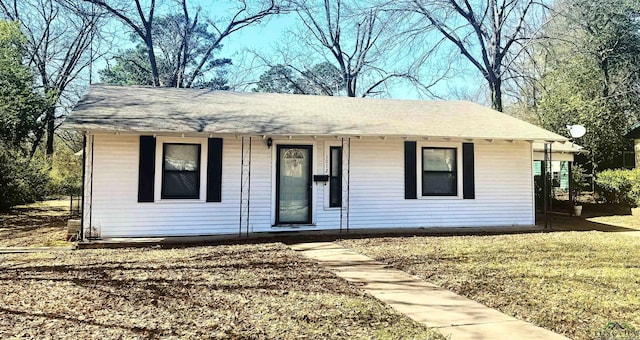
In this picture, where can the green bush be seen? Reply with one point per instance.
(620, 186)
(66, 172)
(578, 181)
(21, 181)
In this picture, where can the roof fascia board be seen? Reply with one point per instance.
(316, 136)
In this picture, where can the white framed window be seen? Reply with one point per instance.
(180, 171)
(439, 171)
(335, 176)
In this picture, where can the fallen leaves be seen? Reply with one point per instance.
(569, 282)
(261, 291)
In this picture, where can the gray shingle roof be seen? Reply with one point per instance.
(568, 147)
(145, 109)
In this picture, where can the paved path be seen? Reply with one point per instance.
(422, 301)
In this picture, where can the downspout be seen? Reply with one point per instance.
(348, 181)
(91, 189)
(341, 181)
(551, 191)
(570, 171)
(84, 173)
(545, 185)
(249, 188)
(548, 173)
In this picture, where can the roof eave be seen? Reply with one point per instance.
(314, 135)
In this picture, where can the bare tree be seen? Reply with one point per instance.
(59, 37)
(140, 19)
(359, 40)
(489, 34)
(356, 39)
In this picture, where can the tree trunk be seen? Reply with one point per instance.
(351, 86)
(496, 94)
(604, 65)
(152, 61)
(51, 124)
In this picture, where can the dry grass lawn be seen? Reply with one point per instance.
(573, 283)
(261, 291)
(243, 291)
(624, 221)
(42, 224)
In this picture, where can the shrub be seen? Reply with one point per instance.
(578, 181)
(66, 172)
(21, 181)
(620, 186)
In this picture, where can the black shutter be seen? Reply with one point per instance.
(468, 172)
(214, 170)
(410, 180)
(146, 168)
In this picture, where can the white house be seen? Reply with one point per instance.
(173, 162)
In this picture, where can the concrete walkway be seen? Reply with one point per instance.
(424, 302)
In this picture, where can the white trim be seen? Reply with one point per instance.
(157, 191)
(533, 185)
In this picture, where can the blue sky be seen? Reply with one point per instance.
(269, 36)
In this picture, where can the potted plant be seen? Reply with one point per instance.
(578, 182)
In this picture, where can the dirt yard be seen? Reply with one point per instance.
(261, 291)
(573, 283)
(41, 224)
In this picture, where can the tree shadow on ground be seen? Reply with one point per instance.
(559, 222)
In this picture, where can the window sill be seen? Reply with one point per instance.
(440, 198)
(293, 226)
(181, 200)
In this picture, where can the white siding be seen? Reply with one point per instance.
(503, 189)
(503, 176)
(116, 211)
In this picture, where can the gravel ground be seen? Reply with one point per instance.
(263, 291)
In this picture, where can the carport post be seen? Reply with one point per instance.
(547, 168)
(569, 168)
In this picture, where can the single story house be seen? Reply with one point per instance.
(178, 162)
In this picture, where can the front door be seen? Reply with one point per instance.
(293, 184)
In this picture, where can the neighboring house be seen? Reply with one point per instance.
(557, 164)
(560, 157)
(628, 161)
(174, 162)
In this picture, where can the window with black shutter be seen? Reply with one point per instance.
(180, 171)
(439, 172)
(335, 176)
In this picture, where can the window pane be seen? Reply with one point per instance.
(181, 156)
(335, 183)
(180, 178)
(439, 159)
(439, 183)
(336, 157)
(180, 184)
(335, 192)
(294, 185)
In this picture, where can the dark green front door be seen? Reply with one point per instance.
(293, 184)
